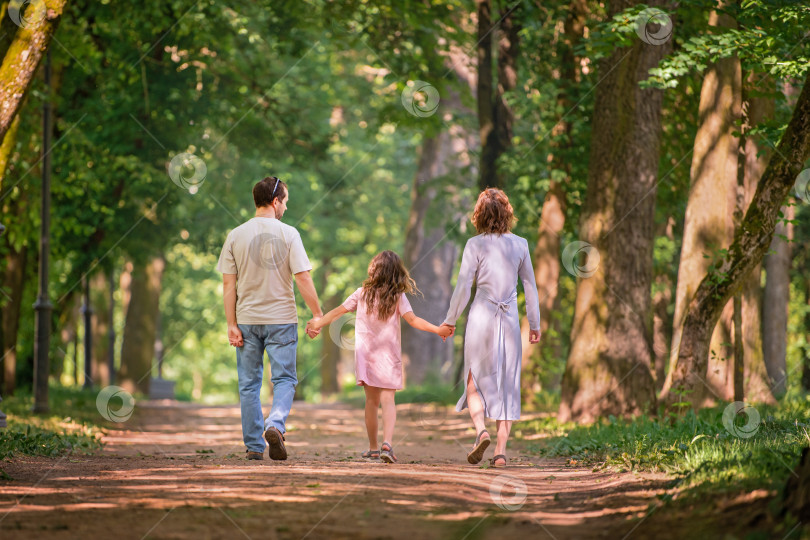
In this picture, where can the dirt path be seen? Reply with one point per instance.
(178, 471)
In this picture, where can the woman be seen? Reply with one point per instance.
(494, 259)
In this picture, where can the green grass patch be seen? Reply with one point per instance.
(696, 448)
(72, 424)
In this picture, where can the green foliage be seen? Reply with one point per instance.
(18, 440)
(74, 428)
(697, 449)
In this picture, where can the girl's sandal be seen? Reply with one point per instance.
(371, 454)
(479, 448)
(387, 453)
(494, 461)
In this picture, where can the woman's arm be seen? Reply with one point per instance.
(466, 276)
(526, 274)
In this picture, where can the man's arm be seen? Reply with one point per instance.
(307, 289)
(229, 298)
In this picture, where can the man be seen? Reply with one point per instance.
(258, 262)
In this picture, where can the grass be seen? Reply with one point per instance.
(696, 448)
(72, 425)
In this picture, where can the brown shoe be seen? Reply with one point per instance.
(480, 446)
(254, 455)
(276, 441)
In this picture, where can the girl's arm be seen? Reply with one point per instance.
(419, 323)
(328, 318)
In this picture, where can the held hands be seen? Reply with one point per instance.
(313, 328)
(445, 331)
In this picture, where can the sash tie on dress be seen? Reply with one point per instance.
(499, 351)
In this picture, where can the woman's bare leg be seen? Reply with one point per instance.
(503, 427)
(475, 405)
(372, 404)
(389, 414)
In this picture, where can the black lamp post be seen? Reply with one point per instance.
(87, 311)
(43, 306)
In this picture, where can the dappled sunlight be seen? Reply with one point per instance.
(190, 459)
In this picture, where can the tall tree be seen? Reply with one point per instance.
(609, 366)
(100, 301)
(140, 328)
(553, 211)
(708, 225)
(751, 241)
(37, 25)
(758, 107)
(775, 305)
(428, 254)
(494, 114)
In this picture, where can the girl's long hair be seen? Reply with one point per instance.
(387, 280)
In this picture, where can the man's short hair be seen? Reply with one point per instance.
(267, 190)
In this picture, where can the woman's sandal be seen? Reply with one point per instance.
(371, 454)
(387, 455)
(479, 448)
(494, 465)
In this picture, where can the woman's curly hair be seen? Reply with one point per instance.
(493, 213)
(387, 280)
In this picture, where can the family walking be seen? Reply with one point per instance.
(262, 258)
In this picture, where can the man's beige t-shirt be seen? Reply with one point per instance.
(264, 253)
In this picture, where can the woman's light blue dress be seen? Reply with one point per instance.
(492, 345)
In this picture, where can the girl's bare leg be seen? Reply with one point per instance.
(389, 413)
(372, 404)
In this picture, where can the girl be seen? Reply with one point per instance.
(379, 303)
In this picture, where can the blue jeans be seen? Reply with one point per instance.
(280, 342)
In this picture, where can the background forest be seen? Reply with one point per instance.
(631, 139)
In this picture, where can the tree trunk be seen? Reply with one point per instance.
(15, 267)
(547, 277)
(662, 323)
(494, 115)
(739, 363)
(24, 53)
(775, 306)
(751, 241)
(754, 160)
(552, 215)
(806, 352)
(13, 285)
(428, 255)
(609, 366)
(487, 170)
(330, 348)
(796, 494)
(140, 329)
(708, 226)
(100, 295)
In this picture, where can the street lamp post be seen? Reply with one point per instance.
(87, 311)
(43, 306)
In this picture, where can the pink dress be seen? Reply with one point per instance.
(377, 344)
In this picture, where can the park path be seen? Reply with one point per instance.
(178, 471)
